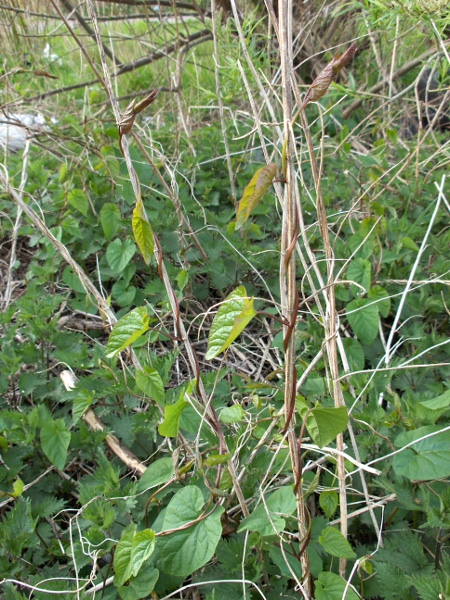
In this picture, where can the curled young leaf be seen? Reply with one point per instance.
(133, 109)
(343, 59)
(142, 231)
(323, 80)
(254, 192)
(42, 73)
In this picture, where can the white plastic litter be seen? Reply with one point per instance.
(15, 129)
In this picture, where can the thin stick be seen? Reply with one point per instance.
(15, 231)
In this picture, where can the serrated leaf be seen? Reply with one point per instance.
(119, 253)
(232, 414)
(187, 550)
(278, 506)
(127, 330)
(158, 473)
(254, 193)
(149, 381)
(231, 319)
(143, 233)
(78, 199)
(172, 414)
(330, 586)
(141, 549)
(55, 440)
(364, 319)
(122, 556)
(110, 219)
(328, 501)
(335, 543)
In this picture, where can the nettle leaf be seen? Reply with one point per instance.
(360, 271)
(323, 424)
(187, 550)
(78, 199)
(149, 381)
(328, 501)
(157, 473)
(55, 440)
(110, 219)
(141, 586)
(119, 253)
(335, 543)
(231, 319)
(143, 233)
(364, 319)
(426, 460)
(254, 192)
(330, 586)
(383, 302)
(127, 330)
(172, 415)
(269, 518)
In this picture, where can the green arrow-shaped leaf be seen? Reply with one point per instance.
(187, 550)
(142, 548)
(123, 566)
(172, 414)
(323, 424)
(331, 587)
(277, 506)
(157, 473)
(119, 254)
(149, 381)
(364, 319)
(141, 586)
(428, 459)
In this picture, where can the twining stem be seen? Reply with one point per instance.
(288, 285)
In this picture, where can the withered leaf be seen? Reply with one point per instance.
(323, 80)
